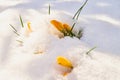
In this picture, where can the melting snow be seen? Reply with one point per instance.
(35, 58)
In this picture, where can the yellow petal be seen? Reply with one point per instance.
(28, 30)
(57, 25)
(29, 27)
(64, 62)
(67, 27)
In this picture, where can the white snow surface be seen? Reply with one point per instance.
(19, 61)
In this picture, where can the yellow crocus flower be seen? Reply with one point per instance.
(29, 27)
(60, 26)
(28, 30)
(64, 62)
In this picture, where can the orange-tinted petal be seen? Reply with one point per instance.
(65, 74)
(67, 27)
(57, 25)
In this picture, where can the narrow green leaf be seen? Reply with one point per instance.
(21, 21)
(78, 15)
(13, 27)
(72, 27)
(80, 33)
(79, 11)
(90, 50)
(14, 30)
(49, 8)
(16, 33)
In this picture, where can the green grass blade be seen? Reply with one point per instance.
(49, 8)
(78, 15)
(16, 33)
(90, 50)
(13, 27)
(21, 21)
(80, 33)
(79, 11)
(72, 27)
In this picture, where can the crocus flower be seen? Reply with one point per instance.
(62, 27)
(28, 30)
(64, 62)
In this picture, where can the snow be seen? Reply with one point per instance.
(35, 58)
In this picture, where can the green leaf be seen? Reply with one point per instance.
(13, 27)
(76, 16)
(21, 21)
(16, 33)
(80, 33)
(49, 7)
(72, 27)
(90, 50)
(14, 30)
